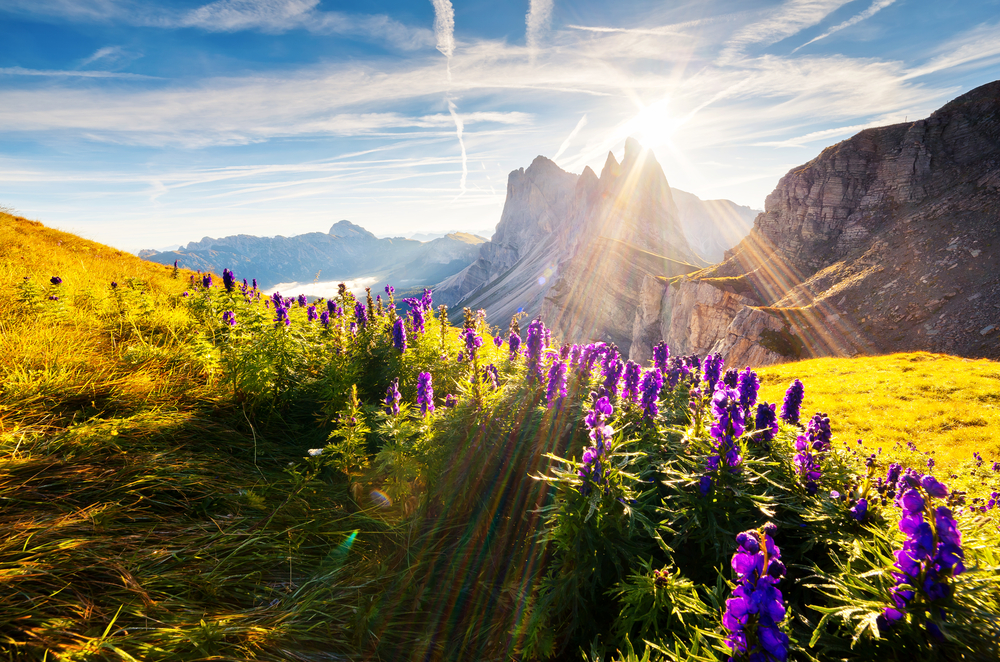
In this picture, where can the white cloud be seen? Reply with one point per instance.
(269, 16)
(537, 21)
(444, 27)
(981, 44)
(790, 18)
(106, 53)
(459, 128)
(875, 8)
(60, 73)
(569, 139)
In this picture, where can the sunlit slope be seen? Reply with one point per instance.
(945, 404)
(84, 346)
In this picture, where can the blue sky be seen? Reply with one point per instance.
(146, 124)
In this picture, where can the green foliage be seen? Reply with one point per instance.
(176, 487)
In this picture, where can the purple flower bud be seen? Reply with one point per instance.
(399, 335)
(793, 401)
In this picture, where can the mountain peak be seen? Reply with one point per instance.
(347, 229)
(611, 168)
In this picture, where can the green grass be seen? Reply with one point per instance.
(158, 503)
(946, 405)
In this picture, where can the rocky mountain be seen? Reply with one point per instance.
(347, 251)
(887, 241)
(712, 226)
(576, 248)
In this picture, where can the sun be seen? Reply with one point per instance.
(654, 124)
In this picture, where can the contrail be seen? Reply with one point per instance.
(876, 7)
(572, 134)
(444, 29)
(459, 127)
(537, 21)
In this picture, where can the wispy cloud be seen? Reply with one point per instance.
(819, 136)
(72, 73)
(106, 53)
(537, 22)
(444, 27)
(875, 8)
(459, 129)
(790, 18)
(569, 139)
(981, 45)
(268, 16)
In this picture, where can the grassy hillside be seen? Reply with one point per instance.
(186, 476)
(947, 406)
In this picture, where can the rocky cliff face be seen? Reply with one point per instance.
(347, 251)
(576, 249)
(887, 241)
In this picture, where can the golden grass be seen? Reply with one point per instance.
(95, 350)
(946, 405)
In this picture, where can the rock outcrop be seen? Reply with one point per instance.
(887, 241)
(347, 251)
(576, 249)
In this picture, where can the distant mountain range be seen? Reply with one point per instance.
(348, 251)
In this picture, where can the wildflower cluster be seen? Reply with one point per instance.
(756, 608)
(930, 557)
(725, 431)
(592, 469)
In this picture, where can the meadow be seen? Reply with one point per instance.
(192, 470)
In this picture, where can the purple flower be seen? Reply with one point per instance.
(766, 423)
(929, 558)
(557, 383)
(114, 286)
(859, 510)
(354, 328)
(228, 280)
(492, 376)
(399, 335)
(255, 283)
(514, 345)
(652, 384)
(331, 307)
(56, 280)
(793, 401)
(661, 353)
(229, 317)
(612, 371)
(425, 393)
(711, 370)
(535, 346)
(818, 431)
(311, 314)
(498, 341)
(392, 398)
(807, 463)
(206, 281)
(450, 401)
(631, 386)
(417, 321)
(748, 385)
(757, 606)
(281, 315)
(324, 318)
(472, 342)
(361, 314)
(303, 301)
(728, 426)
(592, 469)
(731, 378)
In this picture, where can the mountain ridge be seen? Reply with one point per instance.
(886, 241)
(347, 251)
